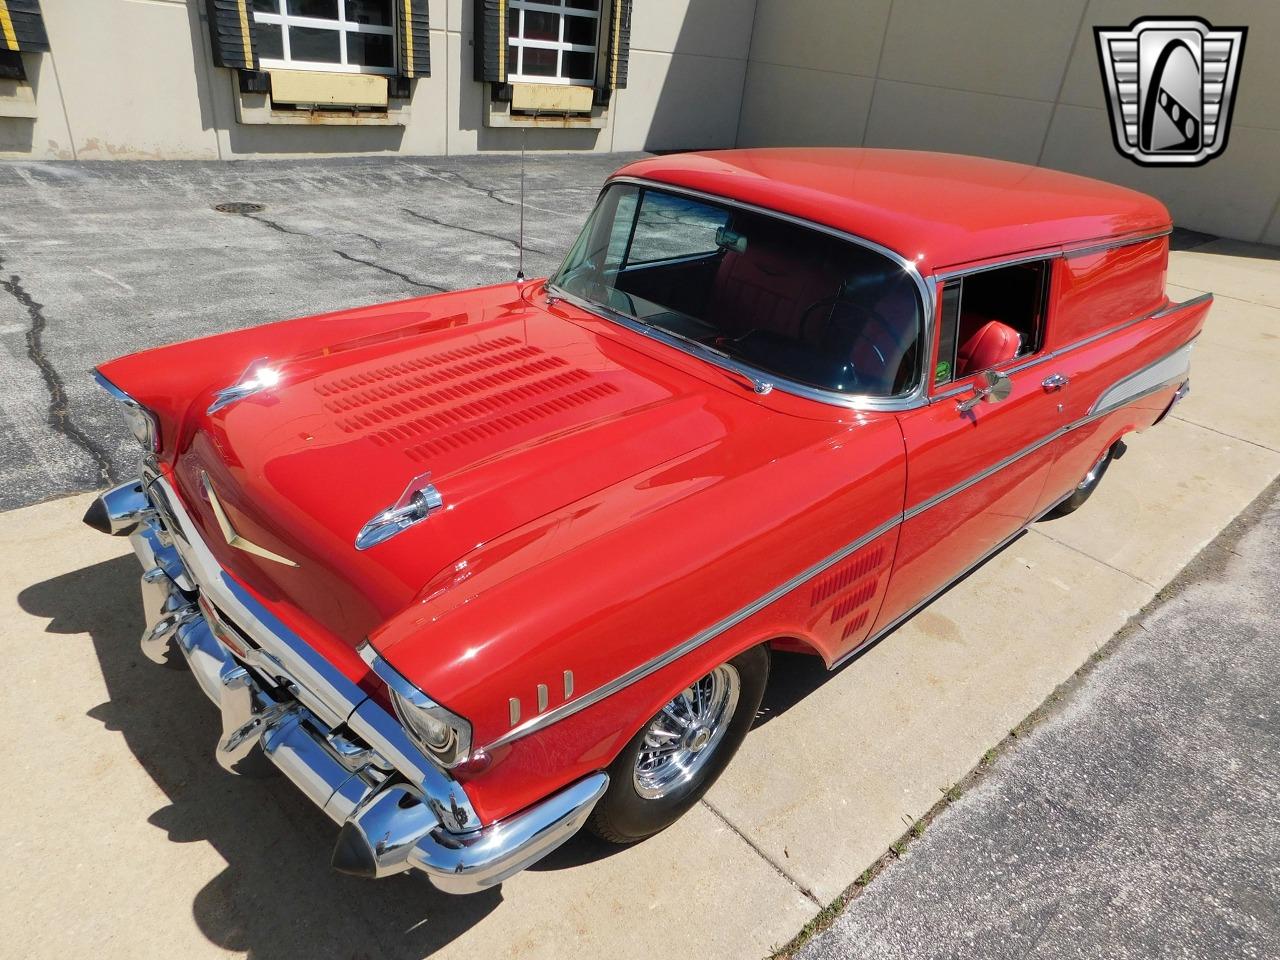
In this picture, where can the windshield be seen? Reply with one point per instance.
(783, 298)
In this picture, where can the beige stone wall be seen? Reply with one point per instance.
(134, 79)
(1015, 79)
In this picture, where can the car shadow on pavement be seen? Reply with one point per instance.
(277, 896)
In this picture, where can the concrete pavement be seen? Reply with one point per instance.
(127, 839)
(1141, 819)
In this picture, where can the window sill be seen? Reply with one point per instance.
(563, 106)
(257, 108)
(17, 100)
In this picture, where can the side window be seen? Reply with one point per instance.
(990, 317)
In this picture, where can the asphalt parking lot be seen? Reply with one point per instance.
(101, 259)
(1140, 818)
(126, 839)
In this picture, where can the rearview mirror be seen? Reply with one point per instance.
(991, 386)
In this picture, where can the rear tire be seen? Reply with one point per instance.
(667, 767)
(1086, 486)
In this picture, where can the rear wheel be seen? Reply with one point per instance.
(1084, 490)
(673, 761)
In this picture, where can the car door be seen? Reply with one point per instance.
(976, 466)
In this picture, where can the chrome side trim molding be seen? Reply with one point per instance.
(990, 471)
(637, 673)
(540, 721)
(1154, 377)
(900, 620)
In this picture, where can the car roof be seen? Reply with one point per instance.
(938, 210)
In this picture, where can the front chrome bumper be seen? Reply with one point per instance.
(397, 810)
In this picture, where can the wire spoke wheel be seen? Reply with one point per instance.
(682, 737)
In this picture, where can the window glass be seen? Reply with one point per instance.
(786, 299)
(950, 313)
(991, 317)
(369, 11)
(270, 40)
(322, 9)
(342, 35)
(552, 41)
(318, 46)
(370, 49)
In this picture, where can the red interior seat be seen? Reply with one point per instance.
(990, 344)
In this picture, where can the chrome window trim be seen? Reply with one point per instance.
(1049, 253)
(1113, 244)
(915, 398)
(1048, 355)
(643, 670)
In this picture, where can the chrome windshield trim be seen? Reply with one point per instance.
(915, 398)
(637, 673)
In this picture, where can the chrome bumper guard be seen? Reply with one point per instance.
(397, 810)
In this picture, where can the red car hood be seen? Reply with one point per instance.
(515, 412)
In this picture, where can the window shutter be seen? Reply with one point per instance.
(491, 40)
(415, 38)
(231, 33)
(22, 27)
(617, 50)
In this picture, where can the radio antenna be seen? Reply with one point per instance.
(524, 136)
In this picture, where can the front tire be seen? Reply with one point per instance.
(667, 767)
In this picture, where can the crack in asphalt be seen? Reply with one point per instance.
(395, 273)
(59, 412)
(278, 227)
(281, 228)
(472, 230)
(458, 180)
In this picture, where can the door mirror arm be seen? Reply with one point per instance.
(992, 386)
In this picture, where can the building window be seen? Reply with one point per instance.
(345, 36)
(552, 41)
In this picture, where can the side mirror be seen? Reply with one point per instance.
(992, 387)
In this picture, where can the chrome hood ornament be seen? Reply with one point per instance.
(229, 532)
(419, 500)
(258, 376)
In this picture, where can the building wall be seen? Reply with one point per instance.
(134, 79)
(1014, 79)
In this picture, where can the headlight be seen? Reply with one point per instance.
(140, 420)
(442, 734)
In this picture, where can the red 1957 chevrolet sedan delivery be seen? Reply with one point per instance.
(478, 569)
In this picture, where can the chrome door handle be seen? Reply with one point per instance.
(1055, 382)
